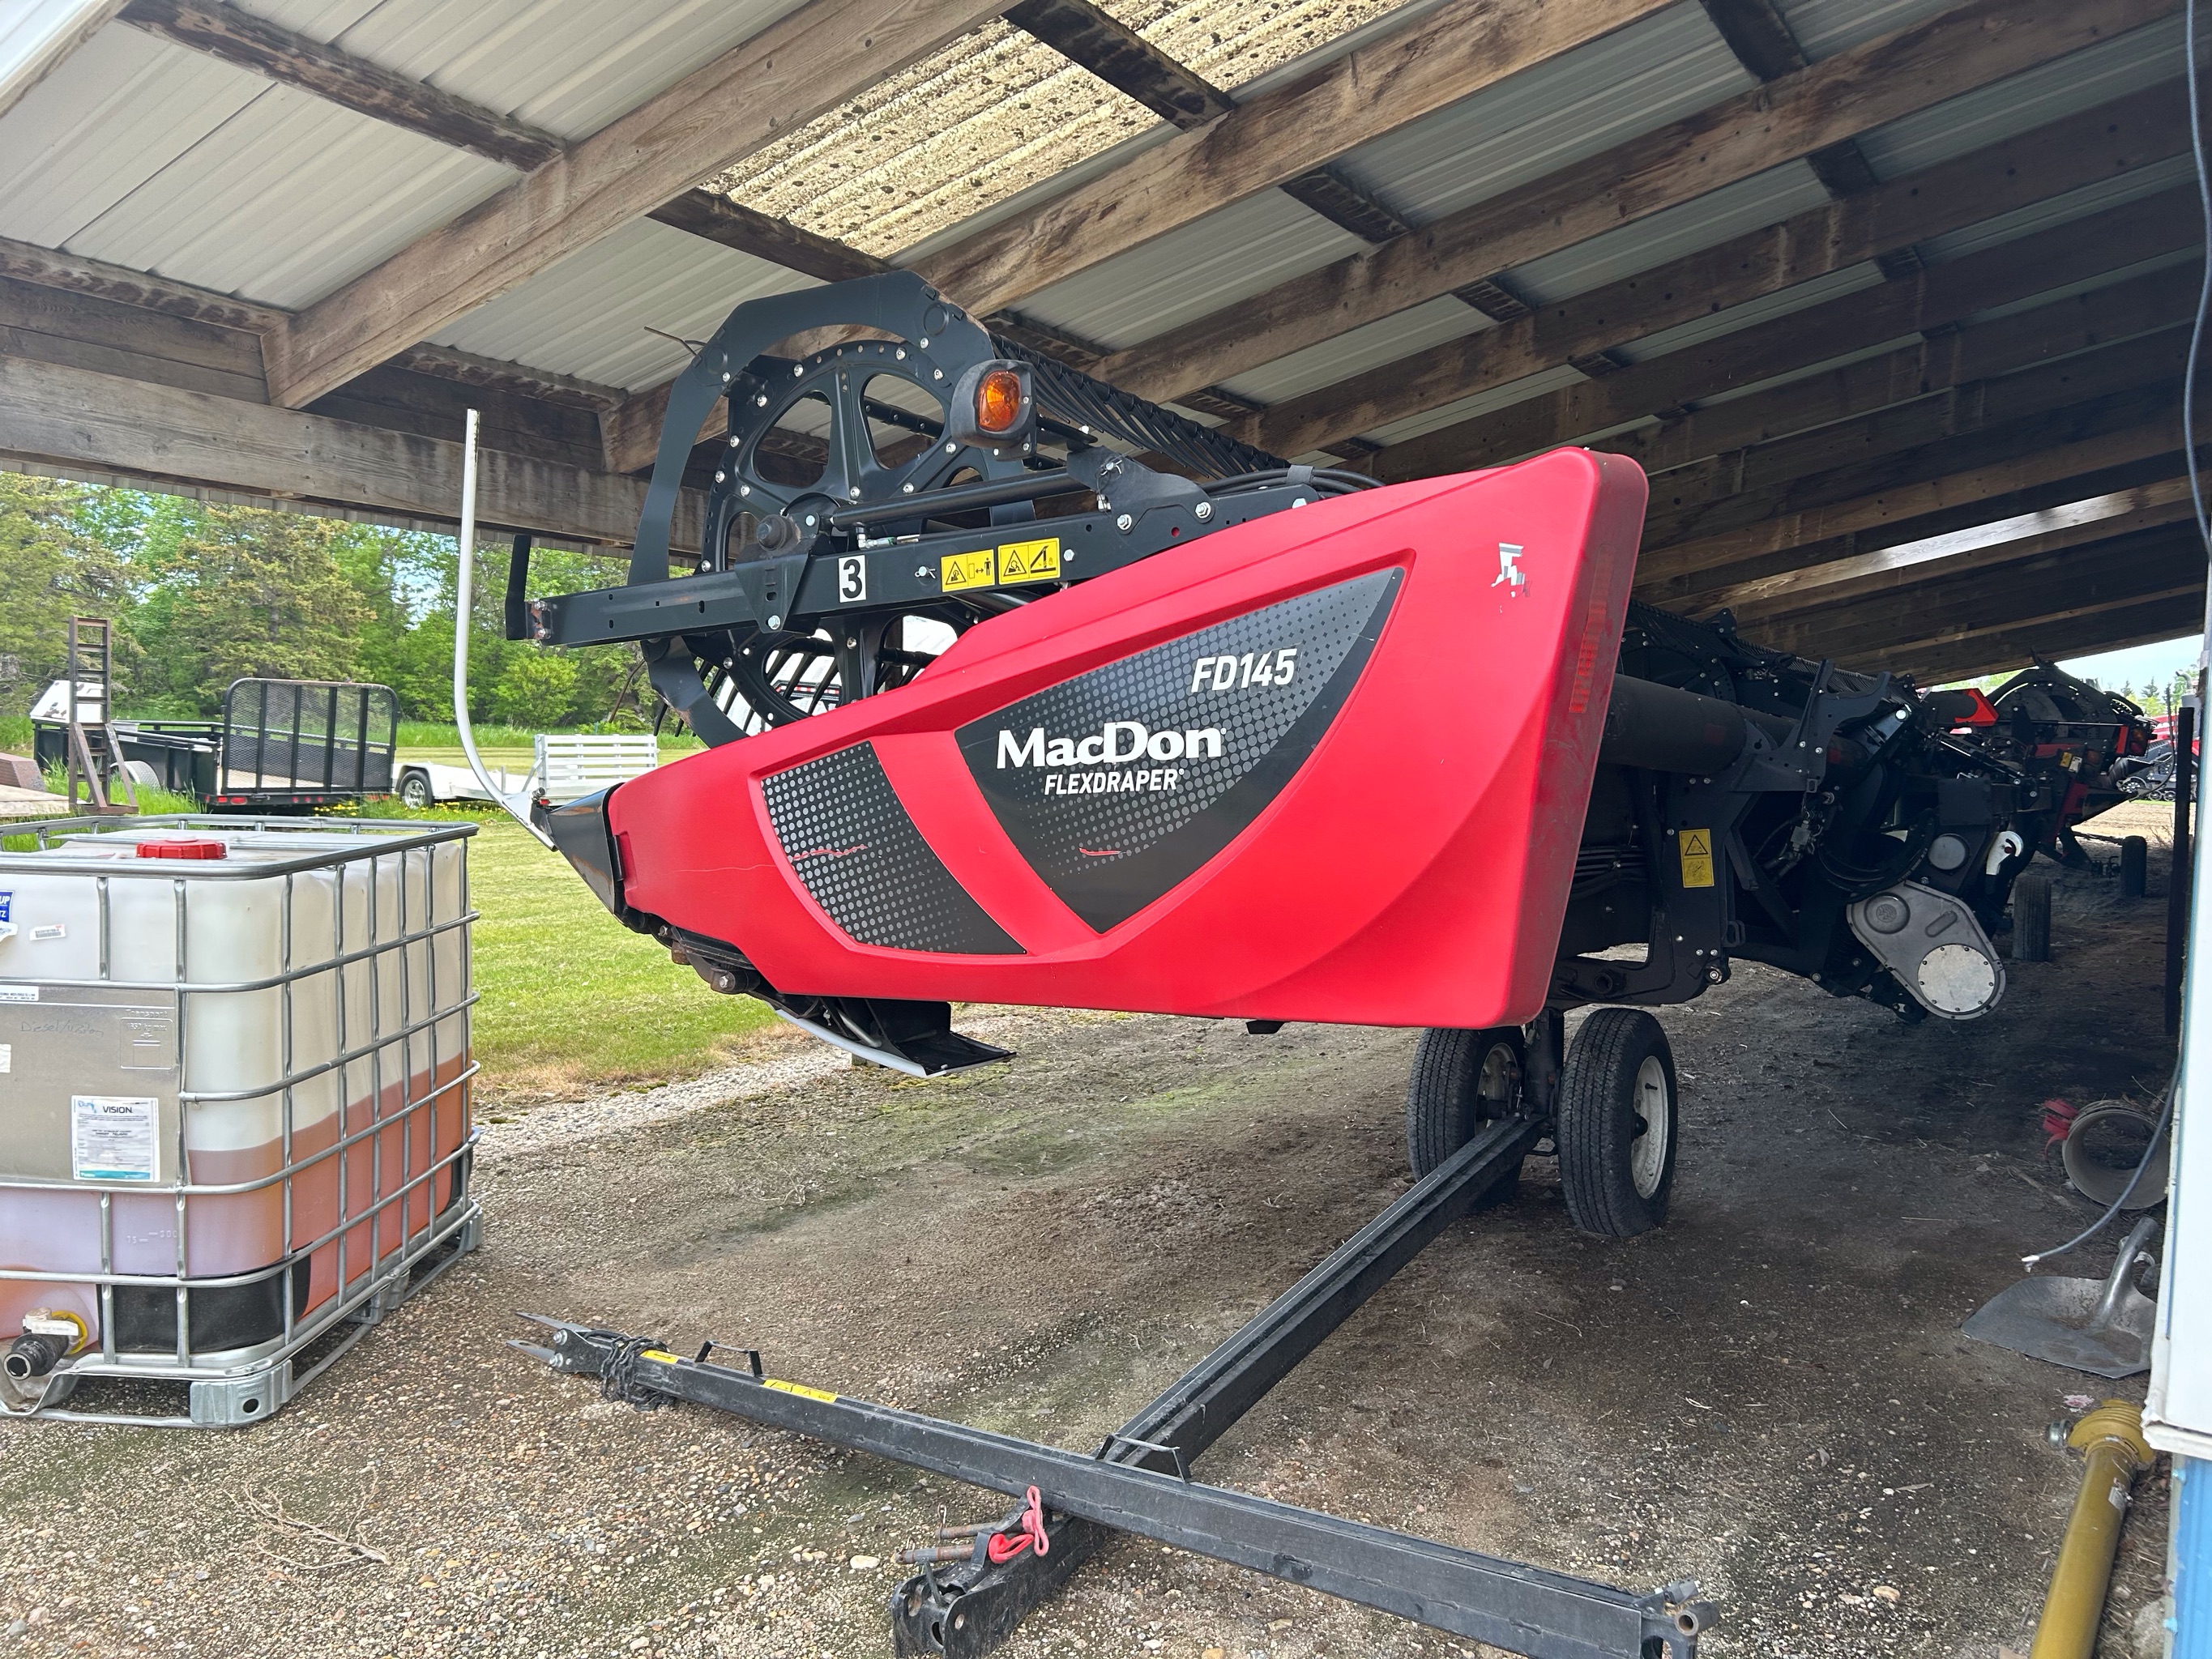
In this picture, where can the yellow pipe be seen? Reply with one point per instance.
(2111, 1441)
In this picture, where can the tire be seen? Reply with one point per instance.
(415, 792)
(1461, 1080)
(1618, 1086)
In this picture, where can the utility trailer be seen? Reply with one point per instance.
(292, 744)
(1017, 689)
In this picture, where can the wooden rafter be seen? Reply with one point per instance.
(2135, 623)
(1085, 33)
(2145, 567)
(1939, 297)
(1949, 359)
(1762, 41)
(252, 43)
(1840, 97)
(1905, 503)
(1444, 55)
(2082, 149)
(1981, 549)
(806, 64)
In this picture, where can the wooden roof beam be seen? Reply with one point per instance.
(90, 423)
(2082, 150)
(2146, 567)
(1840, 97)
(1948, 434)
(799, 67)
(2053, 336)
(1446, 54)
(1937, 297)
(1887, 509)
(2136, 622)
(1982, 548)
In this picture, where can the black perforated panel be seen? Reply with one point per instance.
(1227, 715)
(843, 828)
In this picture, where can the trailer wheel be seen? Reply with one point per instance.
(1617, 1124)
(1461, 1079)
(415, 791)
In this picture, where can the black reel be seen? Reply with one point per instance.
(821, 456)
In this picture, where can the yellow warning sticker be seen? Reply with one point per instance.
(1029, 561)
(959, 570)
(661, 1354)
(801, 1390)
(1696, 858)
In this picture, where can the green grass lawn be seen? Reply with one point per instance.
(569, 998)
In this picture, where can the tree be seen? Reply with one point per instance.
(50, 572)
(535, 690)
(231, 593)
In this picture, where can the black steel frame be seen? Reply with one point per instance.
(1138, 1480)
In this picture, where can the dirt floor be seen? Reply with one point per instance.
(1771, 1395)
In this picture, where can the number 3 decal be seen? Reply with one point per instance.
(852, 579)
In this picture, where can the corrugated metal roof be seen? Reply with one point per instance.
(1482, 403)
(169, 160)
(588, 315)
(2083, 80)
(1223, 258)
(37, 34)
(1747, 205)
(1546, 118)
(1825, 27)
(569, 66)
(1363, 349)
(2059, 210)
(1832, 286)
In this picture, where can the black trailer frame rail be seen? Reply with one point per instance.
(1138, 1480)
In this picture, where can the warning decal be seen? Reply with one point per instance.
(1029, 561)
(1696, 858)
(959, 570)
(801, 1390)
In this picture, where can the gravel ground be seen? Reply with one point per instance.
(1771, 1394)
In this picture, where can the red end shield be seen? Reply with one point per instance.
(1329, 765)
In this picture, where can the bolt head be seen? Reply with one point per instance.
(721, 477)
(1202, 512)
(1125, 524)
(775, 622)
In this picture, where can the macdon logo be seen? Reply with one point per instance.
(1118, 745)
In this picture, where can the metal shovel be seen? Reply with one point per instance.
(2100, 1326)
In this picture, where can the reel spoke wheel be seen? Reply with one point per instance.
(1462, 1080)
(1619, 1124)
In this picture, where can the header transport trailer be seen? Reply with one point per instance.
(1017, 689)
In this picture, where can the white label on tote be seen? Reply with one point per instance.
(19, 994)
(7, 1057)
(112, 1137)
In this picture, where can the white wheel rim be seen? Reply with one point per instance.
(1497, 1083)
(1647, 1153)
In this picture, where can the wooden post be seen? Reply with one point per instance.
(2135, 866)
(2177, 875)
(2031, 919)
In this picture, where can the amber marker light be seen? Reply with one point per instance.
(999, 401)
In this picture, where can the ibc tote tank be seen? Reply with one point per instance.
(233, 1064)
